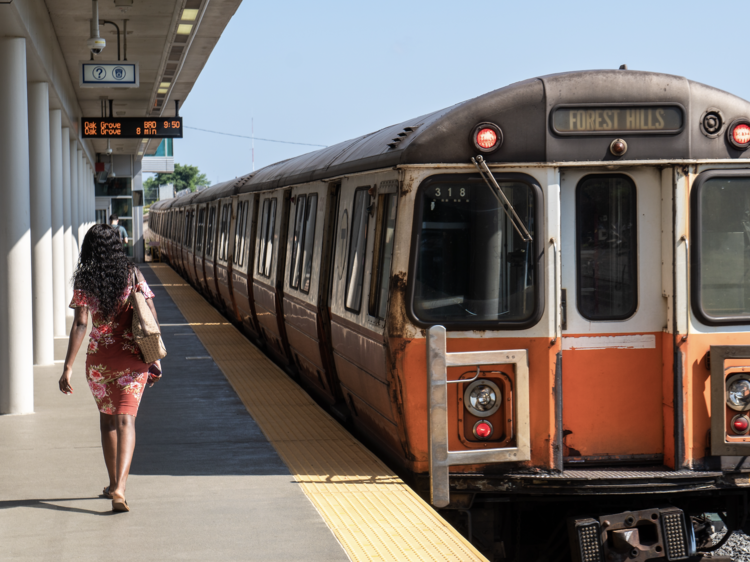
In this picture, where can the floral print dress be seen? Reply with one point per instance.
(115, 371)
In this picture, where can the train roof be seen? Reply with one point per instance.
(162, 205)
(523, 113)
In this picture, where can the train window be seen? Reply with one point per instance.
(210, 231)
(295, 271)
(269, 242)
(240, 232)
(384, 238)
(721, 248)
(308, 243)
(471, 267)
(199, 232)
(265, 237)
(357, 246)
(224, 232)
(262, 236)
(302, 244)
(607, 247)
(191, 228)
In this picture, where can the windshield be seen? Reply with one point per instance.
(471, 264)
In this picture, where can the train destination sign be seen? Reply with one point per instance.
(607, 120)
(131, 127)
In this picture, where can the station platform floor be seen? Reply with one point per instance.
(233, 461)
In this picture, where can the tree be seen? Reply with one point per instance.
(183, 177)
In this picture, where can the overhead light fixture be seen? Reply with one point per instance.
(188, 15)
(165, 84)
(162, 90)
(184, 28)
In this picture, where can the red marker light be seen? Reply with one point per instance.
(487, 138)
(483, 430)
(740, 424)
(741, 134)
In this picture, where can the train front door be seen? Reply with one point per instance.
(613, 315)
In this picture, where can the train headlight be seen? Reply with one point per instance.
(738, 134)
(738, 393)
(487, 137)
(482, 398)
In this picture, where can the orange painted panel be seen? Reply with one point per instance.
(698, 388)
(409, 359)
(612, 401)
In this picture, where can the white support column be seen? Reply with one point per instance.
(58, 234)
(41, 223)
(68, 232)
(92, 195)
(16, 332)
(81, 197)
(74, 201)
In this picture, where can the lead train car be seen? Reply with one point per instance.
(592, 295)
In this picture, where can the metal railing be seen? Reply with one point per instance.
(441, 459)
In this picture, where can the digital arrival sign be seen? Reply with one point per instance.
(131, 127)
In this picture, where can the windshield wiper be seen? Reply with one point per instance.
(489, 179)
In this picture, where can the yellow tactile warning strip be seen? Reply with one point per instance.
(371, 511)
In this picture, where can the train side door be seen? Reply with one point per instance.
(613, 316)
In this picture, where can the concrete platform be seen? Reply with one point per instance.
(205, 483)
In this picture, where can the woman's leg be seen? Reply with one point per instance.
(108, 428)
(125, 445)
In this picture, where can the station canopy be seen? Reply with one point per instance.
(170, 40)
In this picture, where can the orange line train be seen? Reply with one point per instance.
(535, 302)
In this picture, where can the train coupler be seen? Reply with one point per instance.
(632, 536)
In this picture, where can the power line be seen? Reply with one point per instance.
(256, 138)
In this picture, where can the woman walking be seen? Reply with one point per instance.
(115, 371)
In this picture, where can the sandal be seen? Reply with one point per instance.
(119, 504)
(106, 493)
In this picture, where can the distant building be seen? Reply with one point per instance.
(162, 161)
(166, 191)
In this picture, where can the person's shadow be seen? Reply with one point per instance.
(48, 504)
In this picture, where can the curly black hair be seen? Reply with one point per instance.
(103, 270)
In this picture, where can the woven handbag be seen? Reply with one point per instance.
(146, 331)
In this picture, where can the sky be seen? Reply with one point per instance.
(327, 71)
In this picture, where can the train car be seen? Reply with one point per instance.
(535, 302)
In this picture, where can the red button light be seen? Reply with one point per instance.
(487, 138)
(741, 134)
(483, 430)
(740, 424)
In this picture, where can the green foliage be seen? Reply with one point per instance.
(184, 177)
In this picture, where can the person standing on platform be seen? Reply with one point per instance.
(115, 371)
(114, 222)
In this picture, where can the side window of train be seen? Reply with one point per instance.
(190, 226)
(223, 231)
(199, 233)
(265, 237)
(355, 270)
(210, 231)
(240, 233)
(606, 247)
(383, 256)
(303, 242)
